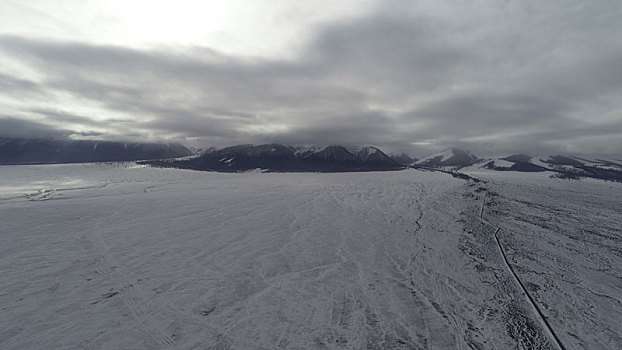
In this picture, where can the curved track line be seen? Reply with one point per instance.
(541, 317)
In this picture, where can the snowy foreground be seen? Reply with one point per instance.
(123, 257)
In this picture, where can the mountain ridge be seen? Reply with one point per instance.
(276, 157)
(309, 158)
(16, 151)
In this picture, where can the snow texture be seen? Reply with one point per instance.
(101, 256)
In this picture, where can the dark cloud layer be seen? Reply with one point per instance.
(490, 76)
(18, 128)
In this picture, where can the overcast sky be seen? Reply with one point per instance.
(491, 76)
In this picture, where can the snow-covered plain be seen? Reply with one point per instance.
(100, 256)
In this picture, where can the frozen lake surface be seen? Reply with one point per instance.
(96, 256)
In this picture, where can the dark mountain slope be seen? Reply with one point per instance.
(450, 157)
(373, 155)
(245, 157)
(518, 158)
(274, 157)
(45, 151)
(402, 158)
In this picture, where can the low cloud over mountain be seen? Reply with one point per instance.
(538, 77)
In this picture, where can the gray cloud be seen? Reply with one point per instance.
(360, 127)
(60, 117)
(490, 76)
(19, 128)
(481, 114)
(15, 84)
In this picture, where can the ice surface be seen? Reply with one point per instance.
(123, 257)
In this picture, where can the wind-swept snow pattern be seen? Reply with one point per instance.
(125, 257)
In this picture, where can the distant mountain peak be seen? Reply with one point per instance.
(372, 154)
(332, 153)
(449, 157)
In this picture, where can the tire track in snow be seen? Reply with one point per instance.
(537, 311)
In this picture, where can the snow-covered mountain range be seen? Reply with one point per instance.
(565, 167)
(308, 158)
(275, 157)
(559, 166)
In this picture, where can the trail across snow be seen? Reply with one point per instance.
(537, 312)
(563, 241)
(124, 257)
